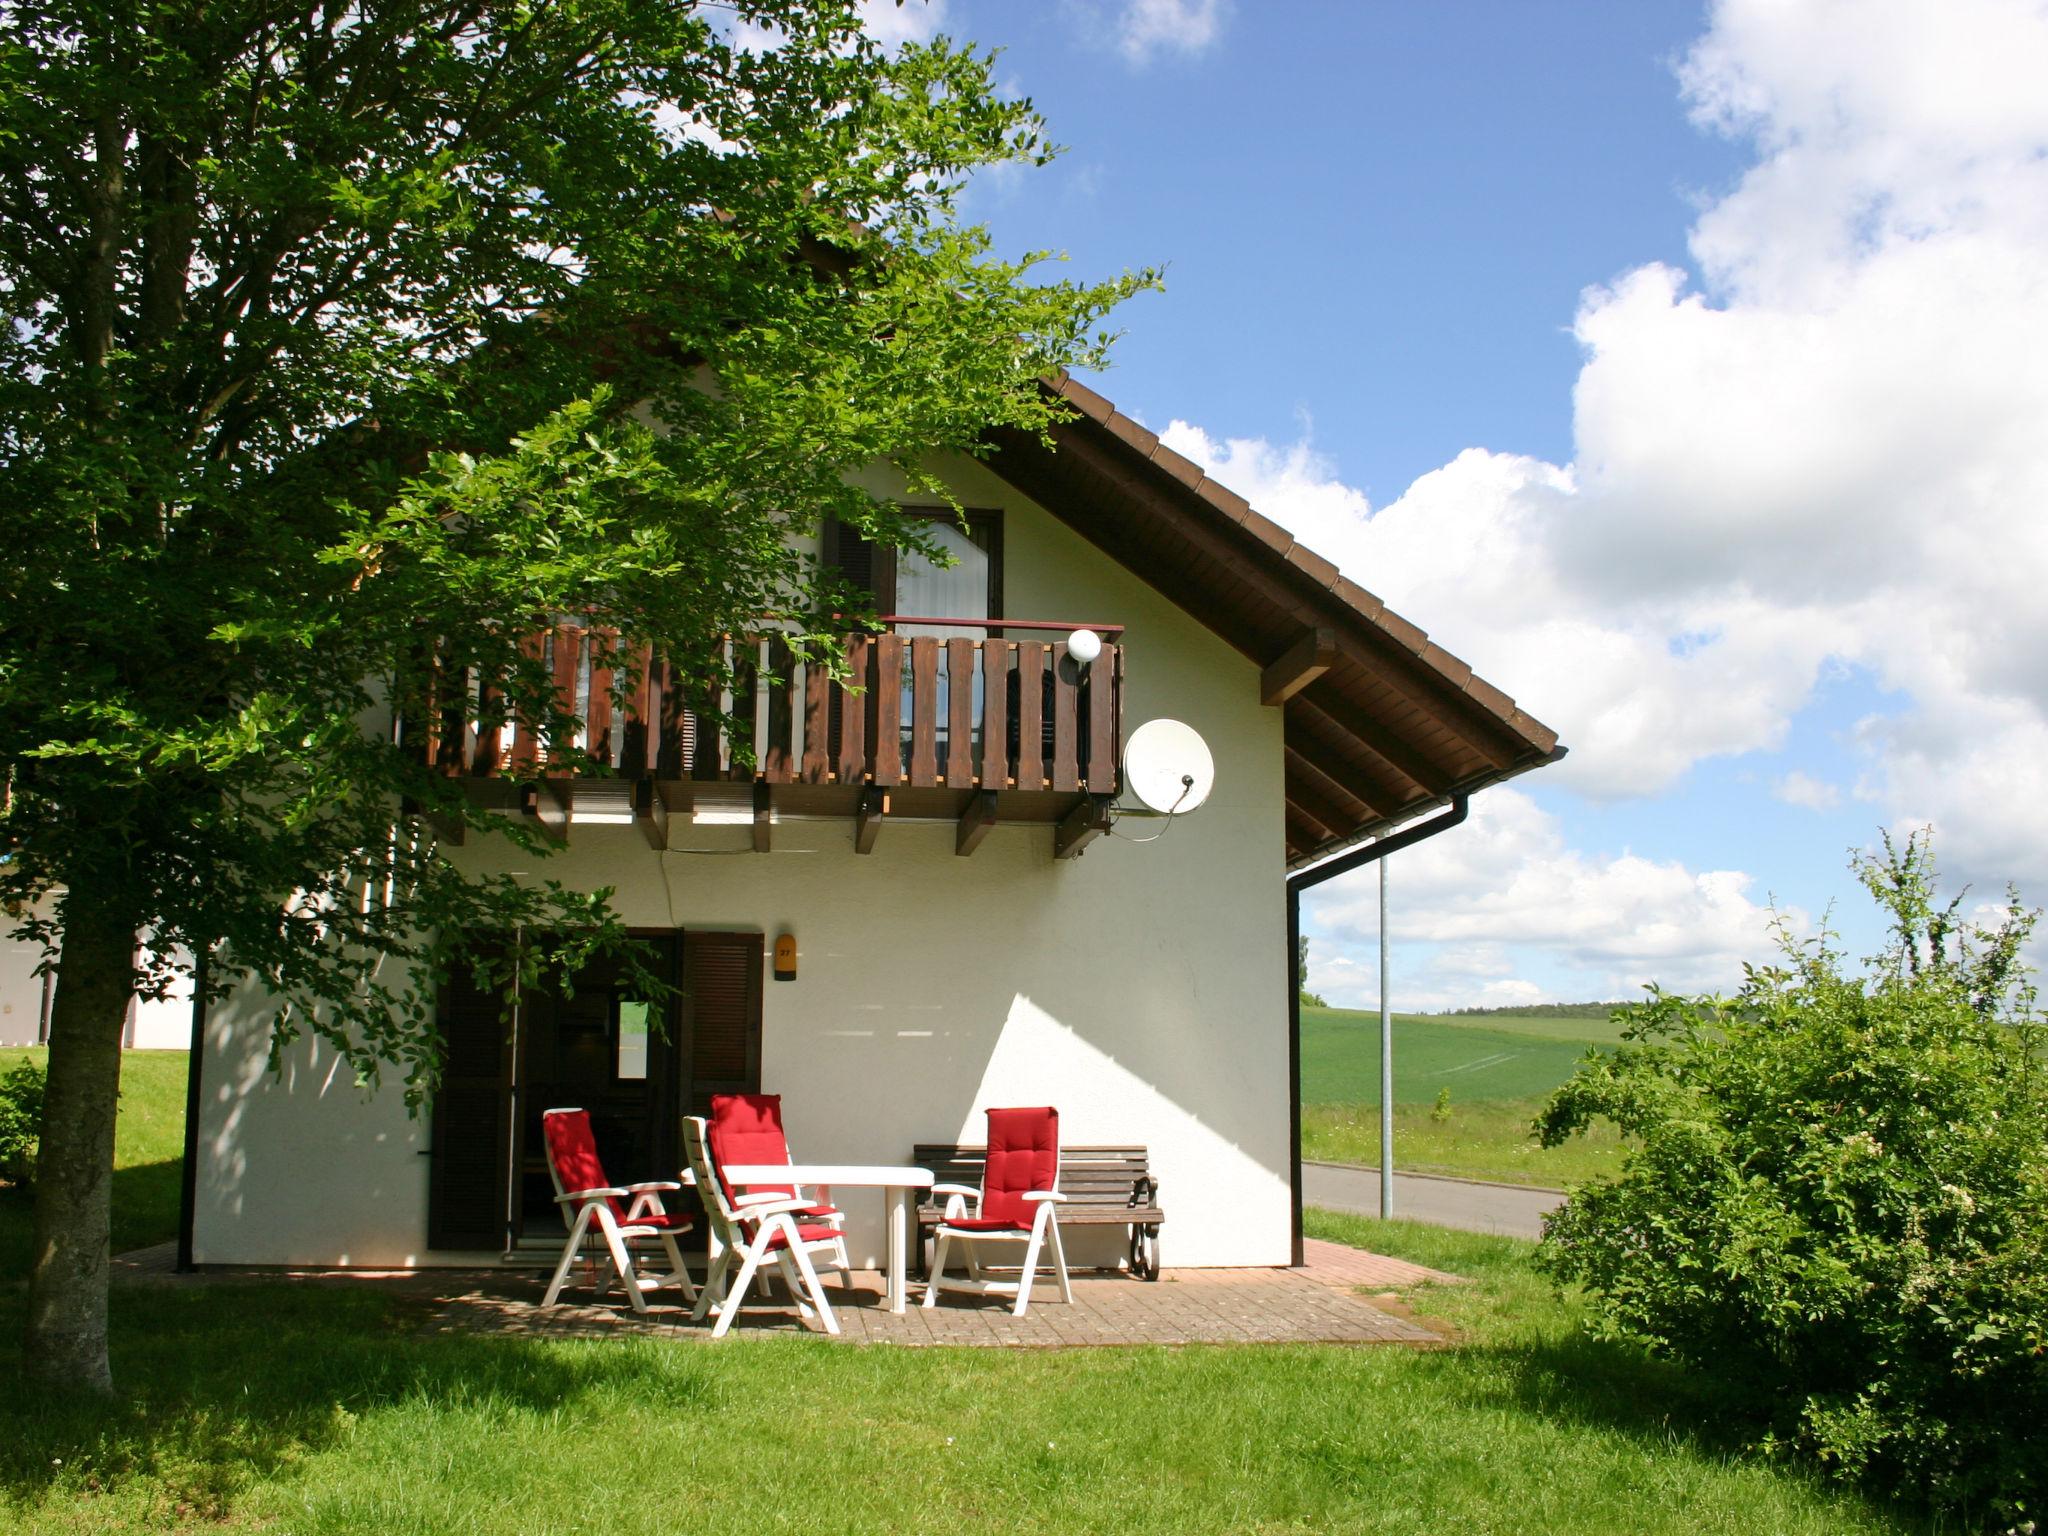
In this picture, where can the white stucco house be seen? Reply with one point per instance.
(976, 918)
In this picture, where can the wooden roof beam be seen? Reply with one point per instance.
(650, 813)
(1297, 817)
(1304, 790)
(1302, 833)
(1319, 786)
(1347, 763)
(1299, 665)
(867, 826)
(976, 822)
(1084, 823)
(1329, 715)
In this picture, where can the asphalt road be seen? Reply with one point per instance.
(1461, 1203)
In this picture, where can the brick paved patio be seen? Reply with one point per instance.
(1318, 1303)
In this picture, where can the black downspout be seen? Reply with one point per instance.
(188, 1178)
(1294, 1066)
(1296, 884)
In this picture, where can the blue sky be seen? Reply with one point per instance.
(1678, 365)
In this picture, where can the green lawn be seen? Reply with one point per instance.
(322, 1409)
(149, 1146)
(1498, 1070)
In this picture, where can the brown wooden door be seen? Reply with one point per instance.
(471, 1142)
(489, 1182)
(583, 1046)
(719, 1042)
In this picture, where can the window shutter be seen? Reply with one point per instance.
(471, 1161)
(870, 567)
(722, 980)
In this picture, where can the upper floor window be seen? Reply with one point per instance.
(907, 583)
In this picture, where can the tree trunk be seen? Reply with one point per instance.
(66, 1343)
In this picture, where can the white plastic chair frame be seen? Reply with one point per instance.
(1044, 1235)
(743, 1231)
(593, 1208)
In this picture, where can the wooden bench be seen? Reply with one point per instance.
(1104, 1186)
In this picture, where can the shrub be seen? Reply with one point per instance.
(21, 1122)
(1836, 1200)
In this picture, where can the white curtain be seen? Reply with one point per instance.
(958, 591)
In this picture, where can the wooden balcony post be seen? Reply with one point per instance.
(1031, 715)
(960, 712)
(885, 710)
(924, 710)
(995, 714)
(597, 717)
(817, 761)
(1105, 686)
(1066, 762)
(775, 759)
(635, 761)
(567, 663)
(853, 710)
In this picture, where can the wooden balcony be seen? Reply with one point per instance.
(973, 730)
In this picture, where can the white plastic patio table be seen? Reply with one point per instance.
(900, 1184)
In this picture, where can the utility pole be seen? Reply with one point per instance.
(1386, 1063)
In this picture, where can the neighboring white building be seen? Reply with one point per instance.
(154, 1024)
(972, 927)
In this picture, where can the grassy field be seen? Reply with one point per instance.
(1497, 1070)
(328, 1409)
(149, 1145)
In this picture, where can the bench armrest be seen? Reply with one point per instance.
(767, 1197)
(652, 1184)
(1045, 1194)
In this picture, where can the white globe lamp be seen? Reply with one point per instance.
(1084, 645)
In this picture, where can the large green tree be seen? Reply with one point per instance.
(331, 337)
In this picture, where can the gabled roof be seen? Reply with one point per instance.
(1381, 723)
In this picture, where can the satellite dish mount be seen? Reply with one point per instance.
(1167, 769)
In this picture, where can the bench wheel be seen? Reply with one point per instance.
(1145, 1252)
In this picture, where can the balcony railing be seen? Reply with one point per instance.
(916, 711)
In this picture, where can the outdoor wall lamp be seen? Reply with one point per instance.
(1084, 645)
(785, 957)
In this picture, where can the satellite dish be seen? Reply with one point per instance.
(1167, 767)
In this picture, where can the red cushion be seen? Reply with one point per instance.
(663, 1221)
(984, 1224)
(1023, 1155)
(820, 1212)
(747, 1128)
(572, 1153)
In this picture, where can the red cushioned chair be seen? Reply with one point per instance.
(748, 1230)
(607, 1217)
(747, 1128)
(1019, 1190)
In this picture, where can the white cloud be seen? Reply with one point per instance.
(1143, 29)
(1804, 790)
(892, 23)
(1825, 448)
(1464, 907)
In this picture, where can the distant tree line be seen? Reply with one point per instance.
(1535, 1010)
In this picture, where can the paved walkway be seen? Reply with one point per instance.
(1463, 1203)
(1319, 1303)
